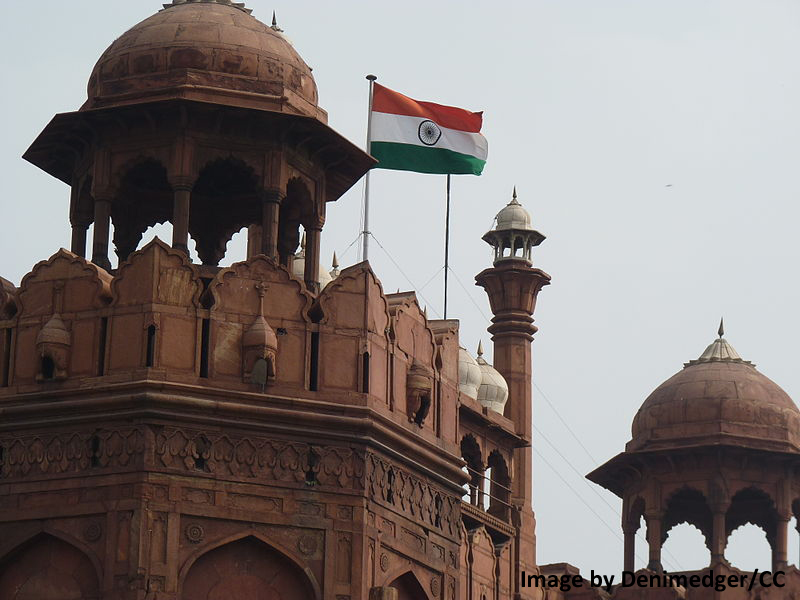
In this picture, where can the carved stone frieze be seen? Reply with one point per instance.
(408, 494)
(240, 457)
(70, 452)
(253, 457)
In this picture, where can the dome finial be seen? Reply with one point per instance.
(275, 23)
(514, 197)
(480, 347)
(335, 263)
(721, 330)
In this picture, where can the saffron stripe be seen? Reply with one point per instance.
(388, 101)
(424, 159)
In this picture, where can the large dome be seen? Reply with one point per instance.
(205, 50)
(717, 399)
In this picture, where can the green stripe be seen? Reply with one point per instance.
(407, 157)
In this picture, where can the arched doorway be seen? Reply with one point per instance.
(47, 568)
(246, 569)
(409, 588)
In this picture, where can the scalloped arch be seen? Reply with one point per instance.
(122, 170)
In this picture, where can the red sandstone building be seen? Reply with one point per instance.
(180, 431)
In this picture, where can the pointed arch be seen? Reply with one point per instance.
(49, 565)
(408, 586)
(243, 566)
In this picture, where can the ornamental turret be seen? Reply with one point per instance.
(513, 238)
(512, 285)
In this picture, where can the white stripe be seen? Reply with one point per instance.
(402, 129)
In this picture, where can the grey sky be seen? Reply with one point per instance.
(655, 144)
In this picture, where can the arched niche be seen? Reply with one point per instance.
(246, 568)
(48, 568)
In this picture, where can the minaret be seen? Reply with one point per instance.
(513, 285)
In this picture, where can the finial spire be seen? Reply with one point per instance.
(335, 263)
(480, 347)
(721, 330)
(514, 196)
(275, 23)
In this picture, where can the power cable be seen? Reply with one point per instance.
(411, 283)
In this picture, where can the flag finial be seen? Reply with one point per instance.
(721, 330)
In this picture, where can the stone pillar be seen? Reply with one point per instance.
(512, 287)
(780, 549)
(254, 243)
(102, 230)
(182, 189)
(270, 219)
(78, 246)
(654, 542)
(719, 537)
(629, 557)
(313, 238)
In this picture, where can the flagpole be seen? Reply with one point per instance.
(446, 245)
(365, 234)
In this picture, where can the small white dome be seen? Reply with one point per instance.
(469, 374)
(299, 270)
(493, 391)
(513, 216)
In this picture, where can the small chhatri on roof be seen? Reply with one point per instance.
(239, 5)
(513, 237)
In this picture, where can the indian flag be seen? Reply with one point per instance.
(410, 135)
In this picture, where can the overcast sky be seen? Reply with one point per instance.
(654, 142)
